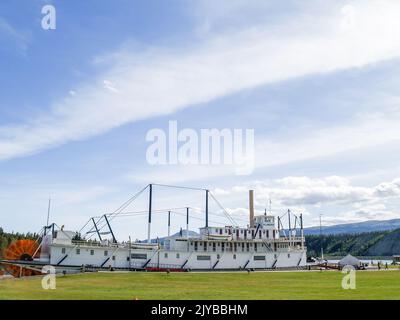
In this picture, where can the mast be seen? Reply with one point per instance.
(48, 212)
(187, 223)
(150, 203)
(279, 226)
(169, 223)
(302, 231)
(290, 230)
(97, 230)
(207, 208)
(109, 227)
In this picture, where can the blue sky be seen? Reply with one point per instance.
(318, 82)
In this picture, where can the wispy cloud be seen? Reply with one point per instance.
(164, 81)
(364, 132)
(8, 32)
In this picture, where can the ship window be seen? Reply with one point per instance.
(288, 255)
(259, 258)
(218, 256)
(63, 250)
(205, 246)
(213, 246)
(247, 247)
(78, 251)
(242, 246)
(219, 244)
(203, 257)
(91, 252)
(275, 256)
(177, 256)
(267, 234)
(223, 246)
(220, 231)
(234, 256)
(235, 246)
(165, 255)
(255, 247)
(113, 257)
(195, 246)
(142, 256)
(259, 234)
(241, 231)
(105, 253)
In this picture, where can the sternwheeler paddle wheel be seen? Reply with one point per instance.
(16, 254)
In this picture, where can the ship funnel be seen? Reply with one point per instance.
(251, 207)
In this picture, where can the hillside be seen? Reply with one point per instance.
(380, 243)
(365, 226)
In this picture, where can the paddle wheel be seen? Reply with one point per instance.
(20, 251)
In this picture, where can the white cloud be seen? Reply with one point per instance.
(364, 132)
(162, 82)
(110, 86)
(337, 198)
(293, 191)
(364, 213)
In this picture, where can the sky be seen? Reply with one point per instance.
(316, 81)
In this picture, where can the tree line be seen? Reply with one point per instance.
(7, 238)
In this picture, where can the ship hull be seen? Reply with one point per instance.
(118, 258)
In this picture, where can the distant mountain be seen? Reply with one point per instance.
(192, 234)
(365, 226)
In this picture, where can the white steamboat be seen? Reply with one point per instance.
(263, 244)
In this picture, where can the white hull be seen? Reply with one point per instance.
(167, 259)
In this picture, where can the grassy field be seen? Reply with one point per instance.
(255, 285)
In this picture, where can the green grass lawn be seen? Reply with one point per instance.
(255, 285)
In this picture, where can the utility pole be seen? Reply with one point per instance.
(320, 235)
(149, 221)
(169, 223)
(187, 223)
(290, 230)
(130, 253)
(207, 191)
